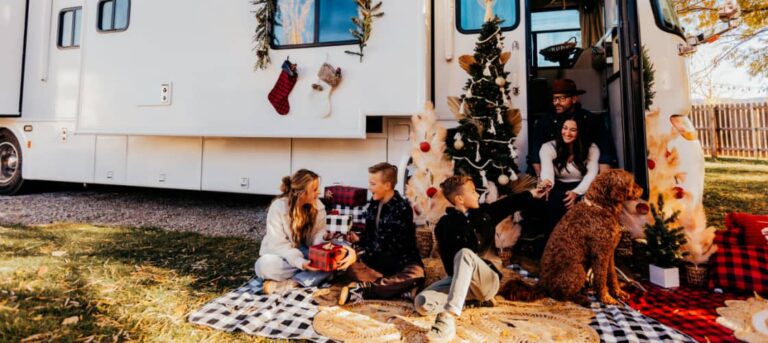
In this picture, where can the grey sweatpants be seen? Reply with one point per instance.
(472, 279)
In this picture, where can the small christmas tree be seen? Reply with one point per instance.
(431, 167)
(663, 243)
(483, 145)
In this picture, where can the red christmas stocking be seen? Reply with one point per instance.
(278, 97)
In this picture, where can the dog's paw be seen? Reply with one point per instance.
(608, 300)
(618, 293)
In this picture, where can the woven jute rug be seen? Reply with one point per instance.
(396, 321)
(747, 318)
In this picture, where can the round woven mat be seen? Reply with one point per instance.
(739, 316)
(386, 321)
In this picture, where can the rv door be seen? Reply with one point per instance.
(13, 19)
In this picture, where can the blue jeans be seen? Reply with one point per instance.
(274, 267)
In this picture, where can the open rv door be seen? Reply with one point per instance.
(13, 18)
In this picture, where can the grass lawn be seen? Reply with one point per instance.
(80, 283)
(733, 185)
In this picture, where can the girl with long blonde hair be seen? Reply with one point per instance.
(295, 221)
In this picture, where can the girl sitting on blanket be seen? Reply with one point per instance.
(295, 221)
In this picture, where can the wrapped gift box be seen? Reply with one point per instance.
(327, 256)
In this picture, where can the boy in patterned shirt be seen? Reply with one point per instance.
(390, 265)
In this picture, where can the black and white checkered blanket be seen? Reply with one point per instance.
(281, 316)
(290, 315)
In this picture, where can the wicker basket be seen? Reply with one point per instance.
(506, 255)
(696, 276)
(424, 241)
(559, 52)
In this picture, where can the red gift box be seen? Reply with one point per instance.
(327, 256)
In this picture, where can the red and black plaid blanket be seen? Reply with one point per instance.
(691, 311)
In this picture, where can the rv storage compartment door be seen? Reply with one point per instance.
(12, 22)
(200, 53)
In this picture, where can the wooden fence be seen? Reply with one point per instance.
(732, 130)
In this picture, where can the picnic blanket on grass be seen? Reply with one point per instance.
(290, 315)
(692, 311)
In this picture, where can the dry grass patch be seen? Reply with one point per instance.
(82, 283)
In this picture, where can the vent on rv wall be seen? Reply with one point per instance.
(374, 124)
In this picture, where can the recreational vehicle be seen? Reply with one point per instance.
(165, 94)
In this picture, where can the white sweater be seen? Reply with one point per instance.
(570, 173)
(278, 241)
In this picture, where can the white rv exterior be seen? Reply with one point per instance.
(95, 113)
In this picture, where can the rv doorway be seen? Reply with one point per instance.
(13, 18)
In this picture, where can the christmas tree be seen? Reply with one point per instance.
(482, 146)
(431, 167)
(663, 243)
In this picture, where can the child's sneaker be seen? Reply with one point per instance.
(351, 294)
(444, 328)
(271, 286)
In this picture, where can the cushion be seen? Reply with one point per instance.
(753, 228)
(356, 212)
(732, 235)
(740, 268)
(345, 196)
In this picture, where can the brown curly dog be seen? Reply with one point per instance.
(585, 238)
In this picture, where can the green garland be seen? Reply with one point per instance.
(265, 14)
(648, 75)
(364, 24)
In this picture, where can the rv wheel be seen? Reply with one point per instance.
(10, 163)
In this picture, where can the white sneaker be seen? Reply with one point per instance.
(271, 286)
(444, 328)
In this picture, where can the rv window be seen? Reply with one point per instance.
(472, 12)
(666, 17)
(553, 27)
(305, 23)
(113, 15)
(69, 28)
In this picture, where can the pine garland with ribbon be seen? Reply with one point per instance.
(364, 24)
(265, 13)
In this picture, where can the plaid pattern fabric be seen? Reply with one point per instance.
(346, 196)
(689, 310)
(732, 235)
(326, 256)
(279, 316)
(337, 223)
(740, 268)
(622, 324)
(356, 212)
(278, 96)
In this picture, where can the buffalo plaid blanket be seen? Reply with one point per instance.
(689, 310)
(290, 315)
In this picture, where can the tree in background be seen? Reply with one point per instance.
(702, 15)
(483, 145)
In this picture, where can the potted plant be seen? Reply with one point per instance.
(663, 246)
(699, 247)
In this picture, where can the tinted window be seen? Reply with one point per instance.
(472, 12)
(666, 17)
(69, 28)
(114, 15)
(302, 23)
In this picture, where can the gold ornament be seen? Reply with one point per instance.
(500, 81)
(503, 179)
(458, 145)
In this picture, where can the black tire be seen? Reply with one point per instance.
(10, 163)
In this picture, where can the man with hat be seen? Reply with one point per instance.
(565, 99)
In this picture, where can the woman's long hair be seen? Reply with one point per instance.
(580, 147)
(302, 216)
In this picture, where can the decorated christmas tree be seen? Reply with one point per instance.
(431, 167)
(483, 145)
(663, 242)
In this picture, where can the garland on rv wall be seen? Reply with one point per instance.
(648, 75)
(265, 14)
(364, 24)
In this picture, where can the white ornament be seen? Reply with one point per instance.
(487, 70)
(503, 179)
(492, 129)
(498, 116)
(512, 176)
(500, 81)
(485, 180)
